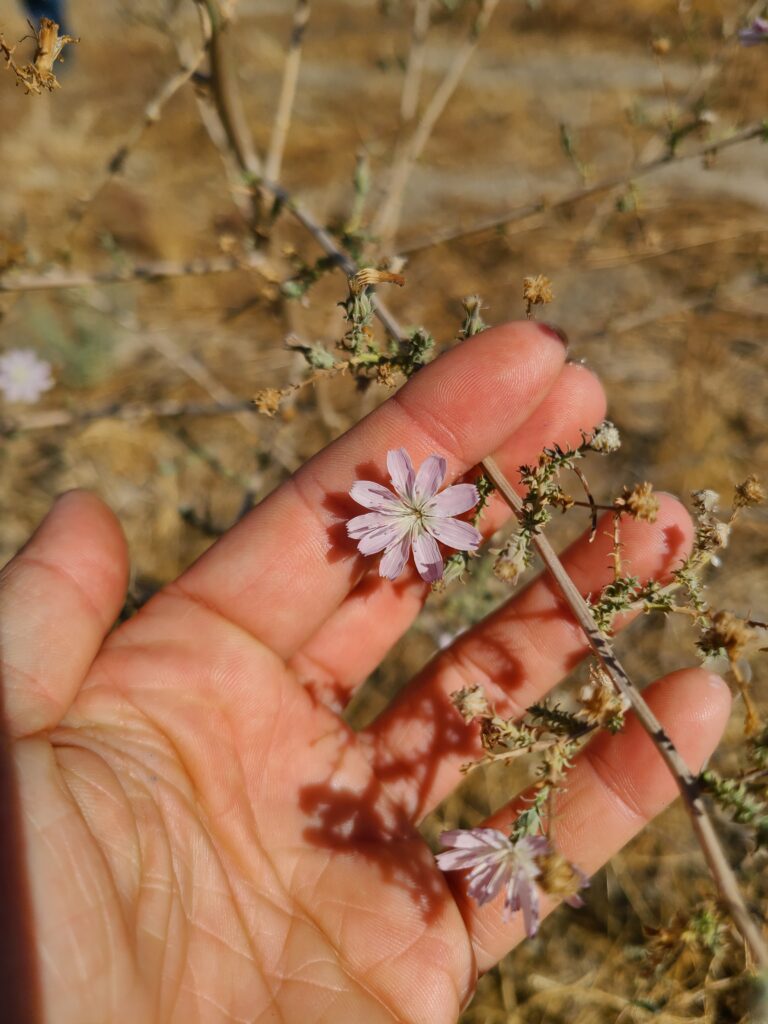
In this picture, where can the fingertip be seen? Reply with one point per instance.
(88, 541)
(695, 705)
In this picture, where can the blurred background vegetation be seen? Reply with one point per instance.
(659, 280)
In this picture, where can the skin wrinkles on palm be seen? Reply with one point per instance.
(206, 839)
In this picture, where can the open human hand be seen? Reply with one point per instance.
(199, 836)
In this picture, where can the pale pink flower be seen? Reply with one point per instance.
(415, 517)
(497, 862)
(24, 377)
(756, 33)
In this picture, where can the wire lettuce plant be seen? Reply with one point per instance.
(513, 862)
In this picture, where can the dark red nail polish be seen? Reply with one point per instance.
(555, 332)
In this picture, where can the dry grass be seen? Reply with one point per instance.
(661, 287)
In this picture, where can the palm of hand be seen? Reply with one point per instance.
(237, 852)
(204, 838)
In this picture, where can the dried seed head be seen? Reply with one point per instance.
(513, 559)
(371, 276)
(267, 401)
(661, 46)
(386, 375)
(705, 501)
(601, 704)
(471, 703)
(727, 633)
(606, 438)
(749, 493)
(559, 877)
(537, 291)
(639, 502)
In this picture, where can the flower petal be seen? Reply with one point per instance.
(486, 881)
(474, 838)
(375, 496)
(401, 471)
(426, 555)
(528, 902)
(360, 525)
(453, 501)
(378, 535)
(395, 557)
(429, 478)
(453, 532)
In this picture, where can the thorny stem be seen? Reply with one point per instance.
(686, 780)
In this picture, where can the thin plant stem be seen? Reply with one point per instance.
(131, 412)
(274, 158)
(757, 130)
(158, 270)
(225, 91)
(385, 224)
(150, 116)
(414, 69)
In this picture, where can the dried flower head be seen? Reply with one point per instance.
(537, 291)
(600, 703)
(561, 878)
(749, 493)
(267, 401)
(372, 276)
(711, 533)
(413, 518)
(23, 376)
(639, 502)
(498, 862)
(705, 501)
(606, 438)
(471, 703)
(513, 559)
(728, 633)
(39, 74)
(661, 46)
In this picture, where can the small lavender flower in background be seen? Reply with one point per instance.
(24, 377)
(499, 862)
(756, 33)
(414, 518)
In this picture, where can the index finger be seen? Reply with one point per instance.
(282, 570)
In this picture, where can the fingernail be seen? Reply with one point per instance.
(716, 681)
(555, 332)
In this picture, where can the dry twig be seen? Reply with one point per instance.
(158, 270)
(756, 130)
(409, 99)
(151, 115)
(386, 222)
(274, 158)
